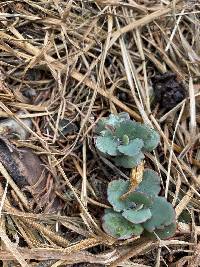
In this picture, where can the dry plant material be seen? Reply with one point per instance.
(67, 60)
(135, 179)
(13, 129)
(28, 173)
(136, 176)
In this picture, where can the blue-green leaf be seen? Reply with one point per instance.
(149, 136)
(107, 145)
(100, 125)
(128, 162)
(113, 120)
(117, 226)
(140, 198)
(133, 148)
(165, 233)
(163, 215)
(115, 190)
(150, 183)
(125, 128)
(137, 216)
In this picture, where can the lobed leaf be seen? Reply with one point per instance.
(137, 216)
(115, 190)
(107, 145)
(150, 183)
(163, 215)
(149, 136)
(128, 162)
(123, 116)
(125, 128)
(165, 233)
(113, 120)
(137, 130)
(100, 126)
(117, 226)
(140, 198)
(133, 148)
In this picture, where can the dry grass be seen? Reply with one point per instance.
(82, 60)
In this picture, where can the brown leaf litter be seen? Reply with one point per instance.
(28, 172)
(64, 65)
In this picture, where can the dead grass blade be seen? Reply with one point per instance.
(70, 63)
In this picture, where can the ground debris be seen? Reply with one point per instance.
(28, 172)
(13, 129)
(168, 90)
(65, 65)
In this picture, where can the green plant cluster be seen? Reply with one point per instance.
(142, 211)
(124, 140)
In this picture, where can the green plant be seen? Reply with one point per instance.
(142, 211)
(124, 140)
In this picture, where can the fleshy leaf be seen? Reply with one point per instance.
(137, 216)
(115, 190)
(128, 162)
(107, 133)
(123, 116)
(100, 125)
(140, 198)
(114, 120)
(126, 128)
(117, 226)
(133, 148)
(163, 215)
(165, 233)
(150, 183)
(148, 135)
(107, 145)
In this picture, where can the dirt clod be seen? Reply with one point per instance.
(168, 90)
